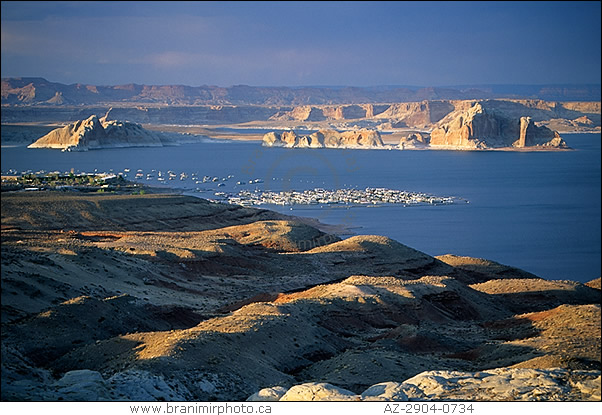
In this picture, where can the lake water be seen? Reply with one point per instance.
(539, 211)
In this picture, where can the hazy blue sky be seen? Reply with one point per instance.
(303, 43)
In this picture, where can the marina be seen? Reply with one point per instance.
(534, 201)
(368, 197)
(363, 197)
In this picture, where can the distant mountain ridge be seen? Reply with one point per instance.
(30, 91)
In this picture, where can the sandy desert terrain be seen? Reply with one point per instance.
(169, 297)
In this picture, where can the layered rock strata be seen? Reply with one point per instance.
(96, 133)
(325, 139)
(479, 128)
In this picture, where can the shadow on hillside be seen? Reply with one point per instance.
(533, 301)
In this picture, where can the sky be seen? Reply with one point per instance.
(303, 43)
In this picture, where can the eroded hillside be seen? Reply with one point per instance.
(164, 297)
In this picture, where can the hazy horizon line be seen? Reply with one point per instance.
(6, 78)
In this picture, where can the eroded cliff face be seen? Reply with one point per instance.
(96, 133)
(330, 112)
(424, 115)
(481, 128)
(473, 129)
(325, 139)
(410, 114)
(531, 135)
(414, 141)
(417, 114)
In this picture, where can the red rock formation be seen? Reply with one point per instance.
(479, 128)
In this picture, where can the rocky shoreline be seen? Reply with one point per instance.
(507, 125)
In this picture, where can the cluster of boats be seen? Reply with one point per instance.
(368, 196)
(171, 175)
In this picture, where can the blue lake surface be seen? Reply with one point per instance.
(539, 211)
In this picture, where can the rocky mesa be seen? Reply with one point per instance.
(479, 128)
(96, 133)
(472, 128)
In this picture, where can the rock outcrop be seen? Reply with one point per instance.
(363, 139)
(417, 114)
(96, 133)
(414, 141)
(472, 129)
(480, 128)
(331, 113)
(423, 115)
(461, 125)
(302, 113)
(595, 283)
(501, 384)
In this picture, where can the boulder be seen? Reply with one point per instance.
(386, 391)
(314, 391)
(82, 385)
(507, 384)
(268, 394)
(501, 384)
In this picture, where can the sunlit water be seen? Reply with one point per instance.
(539, 211)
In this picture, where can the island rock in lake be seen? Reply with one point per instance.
(325, 139)
(96, 133)
(480, 128)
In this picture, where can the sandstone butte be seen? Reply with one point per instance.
(437, 124)
(474, 128)
(477, 128)
(96, 133)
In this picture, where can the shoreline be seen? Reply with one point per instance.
(244, 133)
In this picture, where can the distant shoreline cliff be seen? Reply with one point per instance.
(325, 139)
(479, 128)
(563, 117)
(27, 91)
(386, 109)
(472, 129)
